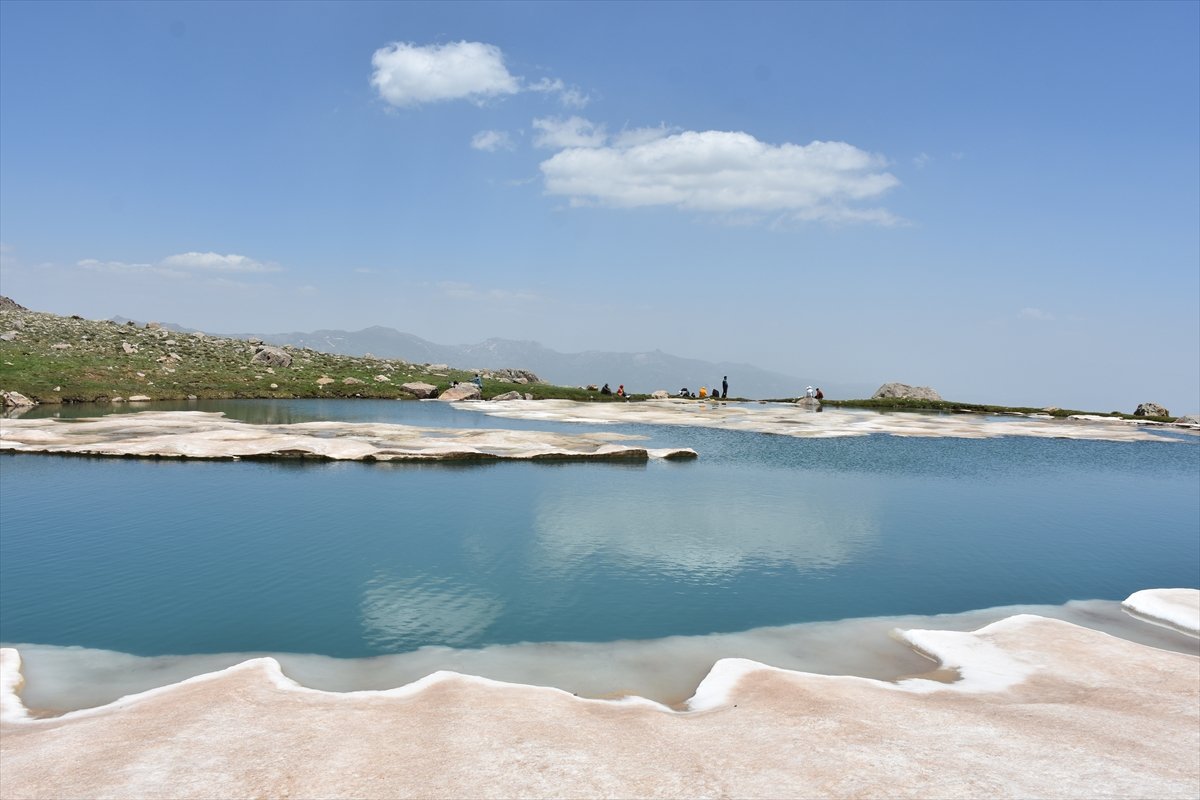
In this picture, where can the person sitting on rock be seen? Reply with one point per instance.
(605, 390)
(819, 395)
(621, 390)
(477, 380)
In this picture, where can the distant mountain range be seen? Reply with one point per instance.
(639, 372)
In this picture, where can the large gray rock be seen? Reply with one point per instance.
(1190, 419)
(419, 390)
(508, 396)
(16, 399)
(463, 391)
(903, 390)
(271, 356)
(1150, 410)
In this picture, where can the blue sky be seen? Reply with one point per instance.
(997, 200)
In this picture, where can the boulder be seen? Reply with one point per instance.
(660, 394)
(60, 346)
(1190, 419)
(809, 402)
(128, 348)
(903, 390)
(382, 379)
(528, 396)
(508, 396)
(16, 400)
(324, 380)
(8, 336)
(138, 398)
(271, 356)
(463, 391)
(352, 381)
(419, 389)
(1150, 410)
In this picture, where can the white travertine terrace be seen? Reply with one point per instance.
(1172, 608)
(197, 434)
(792, 420)
(1041, 708)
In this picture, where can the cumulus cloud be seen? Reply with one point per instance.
(716, 171)
(491, 141)
(555, 133)
(408, 74)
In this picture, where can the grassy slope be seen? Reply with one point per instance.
(96, 367)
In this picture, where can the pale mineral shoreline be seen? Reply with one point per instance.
(1035, 707)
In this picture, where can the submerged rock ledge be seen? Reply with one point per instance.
(208, 435)
(1040, 708)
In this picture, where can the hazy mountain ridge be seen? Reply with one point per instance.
(639, 372)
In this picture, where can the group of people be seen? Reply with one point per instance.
(619, 393)
(814, 394)
(704, 392)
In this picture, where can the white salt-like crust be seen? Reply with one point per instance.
(11, 707)
(1043, 708)
(197, 434)
(1174, 608)
(787, 419)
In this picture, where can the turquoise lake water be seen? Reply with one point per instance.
(352, 560)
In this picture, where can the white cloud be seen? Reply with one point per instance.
(556, 133)
(217, 262)
(409, 75)
(569, 96)
(920, 160)
(717, 171)
(1036, 314)
(181, 265)
(491, 141)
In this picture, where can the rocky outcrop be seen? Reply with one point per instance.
(16, 399)
(903, 390)
(508, 396)
(519, 376)
(269, 356)
(1150, 410)
(660, 394)
(420, 390)
(463, 391)
(1190, 419)
(811, 403)
(8, 304)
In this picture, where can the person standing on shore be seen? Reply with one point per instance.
(724, 387)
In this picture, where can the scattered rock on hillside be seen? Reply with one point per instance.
(463, 391)
(128, 348)
(324, 380)
(903, 390)
(508, 396)
(8, 304)
(351, 381)
(1151, 410)
(420, 390)
(60, 346)
(271, 356)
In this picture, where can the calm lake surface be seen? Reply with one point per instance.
(352, 559)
